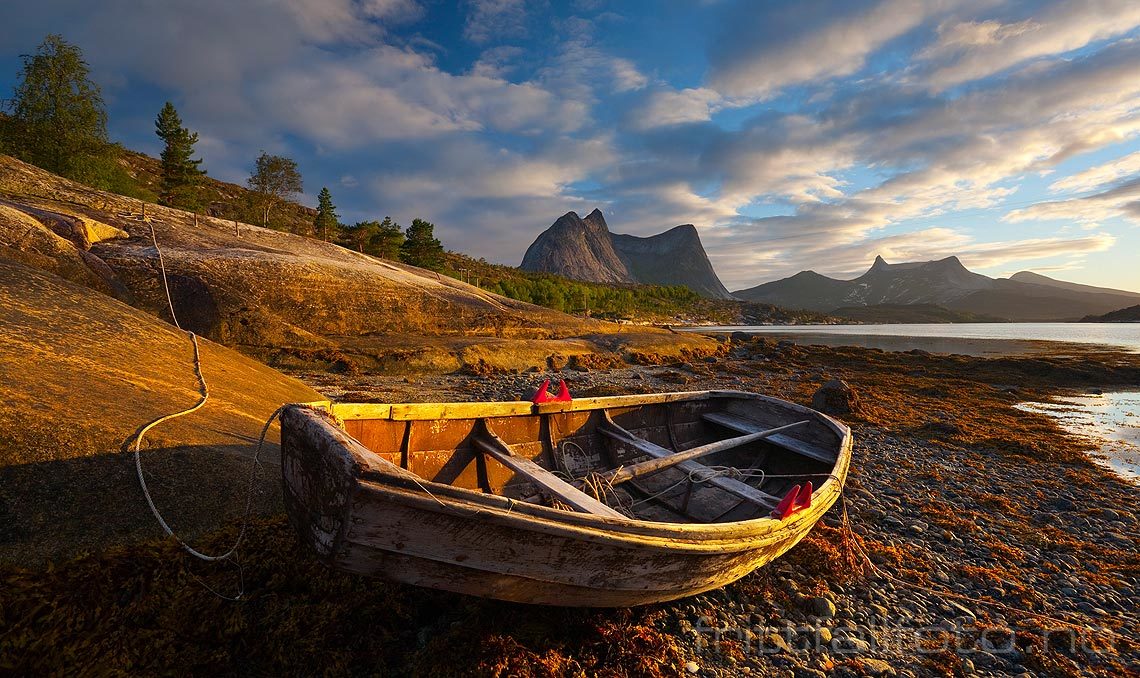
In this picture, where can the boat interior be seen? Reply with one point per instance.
(742, 456)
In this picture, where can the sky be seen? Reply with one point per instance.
(794, 135)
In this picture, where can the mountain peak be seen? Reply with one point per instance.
(597, 220)
(880, 263)
(585, 249)
(577, 248)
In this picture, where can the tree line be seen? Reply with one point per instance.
(57, 120)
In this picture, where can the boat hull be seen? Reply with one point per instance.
(364, 515)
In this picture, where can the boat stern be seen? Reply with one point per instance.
(319, 478)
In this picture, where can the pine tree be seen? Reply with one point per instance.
(327, 222)
(274, 179)
(359, 235)
(181, 174)
(420, 247)
(387, 240)
(59, 122)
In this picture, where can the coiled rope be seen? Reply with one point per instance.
(204, 395)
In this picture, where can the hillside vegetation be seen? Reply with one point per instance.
(1124, 315)
(661, 304)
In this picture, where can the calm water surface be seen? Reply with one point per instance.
(1112, 418)
(969, 338)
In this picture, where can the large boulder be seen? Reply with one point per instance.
(836, 397)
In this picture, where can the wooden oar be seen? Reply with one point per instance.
(632, 471)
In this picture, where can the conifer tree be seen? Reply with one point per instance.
(59, 122)
(327, 221)
(420, 247)
(387, 240)
(181, 174)
(359, 235)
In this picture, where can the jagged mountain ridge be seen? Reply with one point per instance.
(577, 248)
(585, 249)
(945, 282)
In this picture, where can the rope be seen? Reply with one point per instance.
(204, 395)
(166, 288)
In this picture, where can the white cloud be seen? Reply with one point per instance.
(808, 41)
(1099, 175)
(580, 70)
(1122, 201)
(968, 50)
(390, 94)
(667, 107)
(491, 19)
(497, 62)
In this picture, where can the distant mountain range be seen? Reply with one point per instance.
(1022, 297)
(585, 249)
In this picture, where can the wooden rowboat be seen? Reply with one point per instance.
(611, 501)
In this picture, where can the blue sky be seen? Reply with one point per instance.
(793, 135)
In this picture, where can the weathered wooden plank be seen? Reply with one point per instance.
(731, 485)
(673, 458)
(349, 411)
(406, 411)
(742, 425)
(607, 402)
(491, 444)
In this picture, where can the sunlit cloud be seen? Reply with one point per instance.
(969, 50)
(1099, 176)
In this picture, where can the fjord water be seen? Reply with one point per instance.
(981, 339)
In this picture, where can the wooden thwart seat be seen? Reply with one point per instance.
(742, 425)
(730, 485)
(494, 446)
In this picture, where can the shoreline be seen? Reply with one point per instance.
(807, 335)
(952, 490)
(1107, 416)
